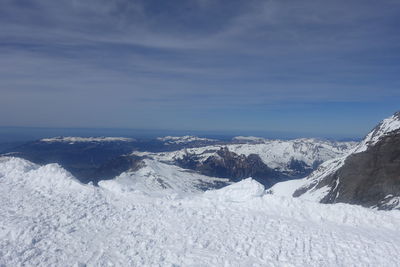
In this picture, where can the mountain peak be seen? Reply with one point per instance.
(367, 176)
(384, 128)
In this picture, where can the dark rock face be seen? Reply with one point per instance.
(227, 164)
(370, 178)
(300, 168)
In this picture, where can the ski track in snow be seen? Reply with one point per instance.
(49, 219)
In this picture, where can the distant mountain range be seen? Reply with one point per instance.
(365, 173)
(267, 161)
(92, 159)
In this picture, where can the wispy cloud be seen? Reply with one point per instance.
(116, 57)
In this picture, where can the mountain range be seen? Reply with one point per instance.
(188, 201)
(365, 173)
(268, 161)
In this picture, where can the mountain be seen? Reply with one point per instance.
(187, 139)
(225, 163)
(79, 155)
(267, 161)
(48, 218)
(91, 159)
(369, 175)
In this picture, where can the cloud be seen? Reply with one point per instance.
(116, 57)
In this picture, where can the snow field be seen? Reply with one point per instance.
(47, 218)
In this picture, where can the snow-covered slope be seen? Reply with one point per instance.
(384, 128)
(276, 154)
(309, 185)
(319, 184)
(45, 178)
(49, 219)
(157, 178)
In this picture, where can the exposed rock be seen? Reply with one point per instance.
(227, 164)
(369, 176)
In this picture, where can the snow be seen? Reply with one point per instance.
(238, 192)
(274, 153)
(394, 202)
(183, 139)
(75, 139)
(286, 188)
(311, 182)
(390, 202)
(157, 178)
(329, 167)
(47, 218)
(387, 126)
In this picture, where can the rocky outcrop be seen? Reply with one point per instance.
(227, 164)
(369, 176)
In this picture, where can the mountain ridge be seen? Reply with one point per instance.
(369, 175)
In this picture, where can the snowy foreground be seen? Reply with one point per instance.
(47, 218)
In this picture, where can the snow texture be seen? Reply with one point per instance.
(47, 218)
(158, 178)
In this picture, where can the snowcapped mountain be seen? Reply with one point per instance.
(277, 154)
(184, 139)
(74, 139)
(98, 158)
(386, 127)
(368, 175)
(266, 160)
(48, 218)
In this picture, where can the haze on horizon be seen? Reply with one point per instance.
(322, 67)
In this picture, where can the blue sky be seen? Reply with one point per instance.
(323, 68)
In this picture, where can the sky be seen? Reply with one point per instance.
(323, 68)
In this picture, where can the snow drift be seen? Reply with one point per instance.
(47, 218)
(157, 178)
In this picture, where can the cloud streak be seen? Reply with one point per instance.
(119, 58)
